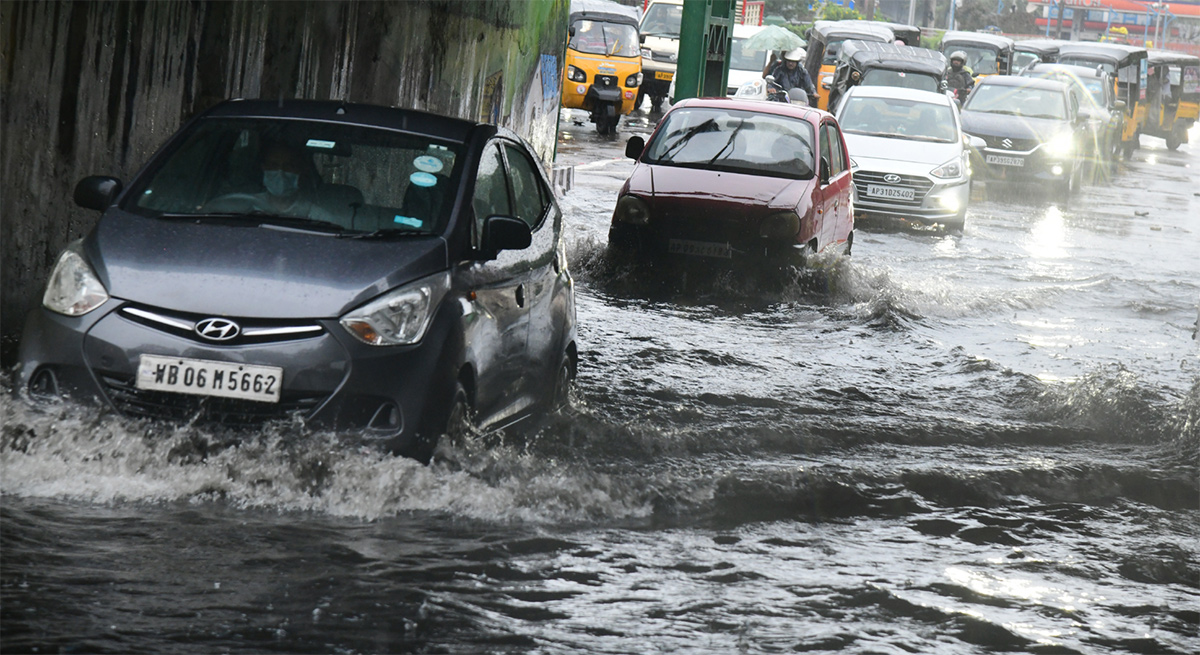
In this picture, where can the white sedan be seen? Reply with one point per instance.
(908, 154)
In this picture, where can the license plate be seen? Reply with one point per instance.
(1004, 161)
(699, 248)
(202, 377)
(663, 75)
(877, 191)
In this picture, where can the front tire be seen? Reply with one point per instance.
(1174, 140)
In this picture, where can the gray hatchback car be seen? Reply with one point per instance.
(364, 268)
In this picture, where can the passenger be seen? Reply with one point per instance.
(789, 74)
(959, 78)
(289, 184)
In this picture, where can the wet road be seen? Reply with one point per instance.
(946, 443)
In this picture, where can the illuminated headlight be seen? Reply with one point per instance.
(576, 75)
(950, 170)
(634, 80)
(73, 289)
(400, 316)
(780, 225)
(1061, 146)
(632, 210)
(949, 202)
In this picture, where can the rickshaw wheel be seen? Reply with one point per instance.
(1173, 141)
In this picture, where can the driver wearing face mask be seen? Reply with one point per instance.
(288, 183)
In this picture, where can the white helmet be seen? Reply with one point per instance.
(794, 55)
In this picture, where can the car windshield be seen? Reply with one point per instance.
(880, 77)
(325, 176)
(745, 59)
(610, 39)
(901, 119)
(1095, 89)
(662, 20)
(1090, 62)
(981, 59)
(736, 141)
(1024, 101)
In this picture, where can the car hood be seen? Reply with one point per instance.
(1017, 127)
(234, 270)
(863, 147)
(692, 190)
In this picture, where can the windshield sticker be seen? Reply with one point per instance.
(428, 163)
(408, 220)
(317, 143)
(422, 179)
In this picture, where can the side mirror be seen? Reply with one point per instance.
(975, 142)
(97, 192)
(770, 79)
(571, 31)
(824, 171)
(1119, 105)
(504, 233)
(634, 147)
(641, 38)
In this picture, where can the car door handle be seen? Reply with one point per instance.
(520, 295)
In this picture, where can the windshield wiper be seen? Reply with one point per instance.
(712, 122)
(383, 233)
(728, 143)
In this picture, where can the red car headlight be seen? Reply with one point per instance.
(780, 225)
(632, 210)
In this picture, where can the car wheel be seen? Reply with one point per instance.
(1174, 140)
(458, 419)
(641, 97)
(564, 380)
(849, 243)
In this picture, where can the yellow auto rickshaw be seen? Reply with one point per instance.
(603, 65)
(1129, 68)
(987, 54)
(1172, 96)
(824, 43)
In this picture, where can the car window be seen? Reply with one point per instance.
(491, 189)
(1018, 101)
(880, 77)
(348, 178)
(530, 197)
(893, 117)
(837, 162)
(734, 140)
(826, 150)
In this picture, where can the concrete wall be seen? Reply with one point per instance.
(95, 87)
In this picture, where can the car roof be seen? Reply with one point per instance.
(1021, 81)
(803, 112)
(956, 36)
(899, 93)
(391, 118)
(1079, 71)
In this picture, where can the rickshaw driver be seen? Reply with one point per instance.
(958, 78)
(789, 74)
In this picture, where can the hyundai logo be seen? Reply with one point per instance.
(1006, 144)
(891, 178)
(218, 329)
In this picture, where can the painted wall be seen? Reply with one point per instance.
(95, 87)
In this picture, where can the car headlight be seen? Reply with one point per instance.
(634, 80)
(647, 52)
(950, 170)
(73, 289)
(400, 316)
(780, 225)
(633, 210)
(576, 74)
(1061, 146)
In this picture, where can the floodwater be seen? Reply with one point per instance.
(946, 443)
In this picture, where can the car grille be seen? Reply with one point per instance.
(228, 412)
(663, 56)
(250, 331)
(1018, 145)
(920, 186)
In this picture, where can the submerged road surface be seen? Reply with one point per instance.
(947, 443)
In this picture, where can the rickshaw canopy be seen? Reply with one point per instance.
(858, 59)
(604, 11)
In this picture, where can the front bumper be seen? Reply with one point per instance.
(933, 200)
(1022, 166)
(656, 78)
(330, 380)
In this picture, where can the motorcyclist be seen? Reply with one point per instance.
(789, 74)
(959, 78)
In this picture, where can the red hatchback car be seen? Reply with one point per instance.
(737, 180)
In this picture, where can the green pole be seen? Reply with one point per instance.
(692, 46)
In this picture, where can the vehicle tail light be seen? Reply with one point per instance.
(632, 210)
(780, 225)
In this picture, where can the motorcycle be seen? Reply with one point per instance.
(767, 89)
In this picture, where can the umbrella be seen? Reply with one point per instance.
(774, 37)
